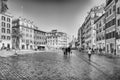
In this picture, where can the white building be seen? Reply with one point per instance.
(26, 27)
(80, 37)
(118, 27)
(90, 27)
(57, 39)
(39, 39)
(5, 30)
(100, 32)
(110, 28)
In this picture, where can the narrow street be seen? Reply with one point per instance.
(56, 66)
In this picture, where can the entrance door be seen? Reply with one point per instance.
(27, 46)
(8, 46)
(23, 46)
(111, 47)
(107, 48)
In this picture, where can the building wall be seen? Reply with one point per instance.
(5, 30)
(89, 25)
(26, 28)
(100, 32)
(79, 37)
(110, 27)
(57, 39)
(118, 27)
(39, 39)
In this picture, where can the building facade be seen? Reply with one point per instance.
(79, 37)
(5, 30)
(26, 28)
(90, 32)
(57, 39)
(118, 27)
(110, 28)
(39, 39)
(100, 33)
(83, 44)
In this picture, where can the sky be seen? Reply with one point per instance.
(63, 15)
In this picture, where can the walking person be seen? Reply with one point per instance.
(89, 53)
(69, 50)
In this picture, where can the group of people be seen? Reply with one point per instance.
(67, 51)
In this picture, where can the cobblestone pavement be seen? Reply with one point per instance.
(56, 66)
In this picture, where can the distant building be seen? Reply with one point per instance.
(39, 39)
(57, 39)
(83, 44)
(100, 32)
(80, 37)
(26, 27)
(5, 30)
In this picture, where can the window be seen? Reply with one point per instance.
(8, 30)
(27, 29)
(27, 35)
(100, 24)
(110, 35)
(118, 22)
(118, 10)
(3, 18)
(3, 37)
(8, 37)
(23, 40)
(31, 36)
(8, 19)
(8, 25)
(114, 8)
(110, 11)
(110, 23)
(3, 30)
(31, 42)
(3, 24)
(106, 14)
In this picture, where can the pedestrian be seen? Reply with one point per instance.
(89, 53)
(66, 51)
(92, 51)
(69, 50)
(100, 50)
(114, 51)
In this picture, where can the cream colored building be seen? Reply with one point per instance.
(57, 39)
(5, 30)
(26, 27)
(118, 27)
(90, 32)
(100, 32)
(39, 39)
(110, 28)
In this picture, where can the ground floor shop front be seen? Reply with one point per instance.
(110, 46)
(118, 47)
(5, 45)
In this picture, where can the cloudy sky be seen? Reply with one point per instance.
(64, 15)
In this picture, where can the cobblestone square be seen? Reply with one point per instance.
(56, 66)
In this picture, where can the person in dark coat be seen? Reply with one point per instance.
(69, 50)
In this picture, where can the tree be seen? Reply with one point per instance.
(16, 35)
(3, 6)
